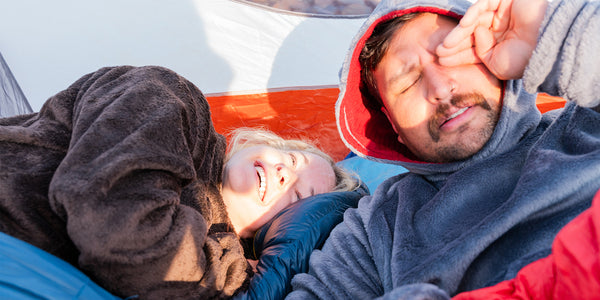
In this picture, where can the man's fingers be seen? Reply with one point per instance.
(463, 44)
(478, 8)
(466, 56)
(457, 36)
(502, 16)
(484, 43)
(461, 38)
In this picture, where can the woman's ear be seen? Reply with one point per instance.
(387, 115)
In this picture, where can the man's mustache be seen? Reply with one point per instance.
(459, 101)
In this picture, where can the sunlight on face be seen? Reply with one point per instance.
(440, 113)
(259, 181)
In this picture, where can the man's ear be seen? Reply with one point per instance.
(387, 115)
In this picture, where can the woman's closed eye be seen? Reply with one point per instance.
(294, 159)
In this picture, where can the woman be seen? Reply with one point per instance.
(264, 173)
(123, 175)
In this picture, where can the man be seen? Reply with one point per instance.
(491, 180)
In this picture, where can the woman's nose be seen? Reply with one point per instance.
(285, 176)
(440, 85)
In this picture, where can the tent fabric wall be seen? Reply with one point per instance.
(222, 46)
(12, 99)
(319, 7)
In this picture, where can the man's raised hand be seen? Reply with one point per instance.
(501, 34)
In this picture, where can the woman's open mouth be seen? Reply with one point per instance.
(262, 186)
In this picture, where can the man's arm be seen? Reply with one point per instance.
(347, 268)
(501, 34)
(556, 54)
(565, 61)
(344, 268)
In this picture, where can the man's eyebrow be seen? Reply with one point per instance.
(396, 78)
(401, 75)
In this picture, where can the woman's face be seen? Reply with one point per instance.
(259, 181)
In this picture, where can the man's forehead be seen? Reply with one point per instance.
(427, 30)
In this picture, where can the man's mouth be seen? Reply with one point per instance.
(262, 186)
(455, 114)
(441, 117)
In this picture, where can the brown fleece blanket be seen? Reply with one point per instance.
(119, 175)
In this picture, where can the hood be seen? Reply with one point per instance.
(368, 133)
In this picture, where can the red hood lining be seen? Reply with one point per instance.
(368, 131)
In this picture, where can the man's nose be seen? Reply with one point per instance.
(285, 176)
(440, 85)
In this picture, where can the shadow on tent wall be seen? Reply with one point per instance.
(12, 99)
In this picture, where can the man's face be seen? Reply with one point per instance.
(441, 114)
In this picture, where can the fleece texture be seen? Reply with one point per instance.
(119, 175)
(570, 272)
(473, 223)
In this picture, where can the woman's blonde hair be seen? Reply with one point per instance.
(245, 137)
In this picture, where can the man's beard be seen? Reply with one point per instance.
(460, 101)
(459, 151)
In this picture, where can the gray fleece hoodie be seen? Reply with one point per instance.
(469, 224)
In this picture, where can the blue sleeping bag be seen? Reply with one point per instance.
(285, 243)
(27, 272)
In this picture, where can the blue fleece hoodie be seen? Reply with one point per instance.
(469, 224)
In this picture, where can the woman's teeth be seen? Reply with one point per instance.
(263, 185)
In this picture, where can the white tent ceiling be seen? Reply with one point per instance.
(220, 45)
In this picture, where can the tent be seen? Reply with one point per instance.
(258, 65)
(12, 99)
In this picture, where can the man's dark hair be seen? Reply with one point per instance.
(372, 53)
